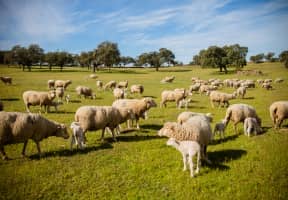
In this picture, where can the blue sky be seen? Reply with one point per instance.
(183, 26)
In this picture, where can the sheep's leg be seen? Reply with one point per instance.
(4, 156)
(137, 124)
(38, 148)
(191, 165)
(245, 129)
(198, 162)
(102, 136)
(205, 154)
(235, 128)
(184, 162)
(280, 123)
(24, 148)
(113, 135)
(27, 108)
(72, 142)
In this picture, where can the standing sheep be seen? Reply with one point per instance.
(59, 93)
(251, 126)
(238, 113)
(110, 85)
(85, 91)
(99, 84)
(137, 89)
(16, 127)
(278, 112)
(172, 95)
(187, 149)
(241, 91)
(77, 135)
(122, 84)
(221, 98)
(61, 83)
(118, 93)
(51, 84)
(33, 98)
(7, 80)
(220, 128)
(196, 128)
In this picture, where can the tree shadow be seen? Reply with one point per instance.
(9, 99)
(226, 139)
(68, 152)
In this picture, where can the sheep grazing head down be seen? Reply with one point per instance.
(150, 102)
(62, 131)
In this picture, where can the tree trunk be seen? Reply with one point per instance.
(23, 68)
(225, 69)
(50, 67)
(61, 68)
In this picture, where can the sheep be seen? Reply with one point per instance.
(85, 91)
(184, 116)
(268, 80)
(77, 135)
(51, 84)
(248, 84)
(267, 86)
(110, 85)
(67, 98)
(241, 91)
(194, 88)
(279, 80)
(33, 98)
(93, 76)
(184, 102)
(251, 125)
(118, 93)
(137, 89)
(260, 81)
(170, 95)
(278, 112)
(206, 88)
(221, 98)
(61, 83)
(196, 128)
(168, 79)
(138, 106)
(220, 128)
(187, 149)
(59, 93)
(16, 127)
(99, 84)
(54, 104)
(122, 84)
(98, 117)
(7, 80)
(238, 112)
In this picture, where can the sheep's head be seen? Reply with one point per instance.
(167, 129)
(62, 131)
(150, 102)
(172, 142)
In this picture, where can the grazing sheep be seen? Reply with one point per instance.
(137, 89)
(196, 128)
(7, 80)
(188, 149)
(98, 117)
(110, 85)
(138, 106)
(279, 80)
(59, 93)
(241, 91)
(99, 84)
(251, 126)
(34, 98)
(278, 112)
(1, 106)
(172, 95)
(78, 137)
(85, 91)
(238, 113)
(184, 116)
(184, 103)
(51, 84)
(61, 83)
(260, 81)
(93, 76)
(118, 93)
(267, 86)
(220, 128)
(168, 79)
(122, 84)
(268, 80)
(194, 88)
(221, 98)
(206, 88)
(16, 127)
(54, 104)
(248, 84)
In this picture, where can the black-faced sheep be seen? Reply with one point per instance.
(18, 127)
(251, 126)
(278, 112)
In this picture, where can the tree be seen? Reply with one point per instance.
(151, 58)
(166, 56)
(125, 60)
(214, 56)
(63, 58)
(36, 54)
(196, 60)
(269, 57)
(107, 53)
(284, 58)
(257, 58)
(51, 59)
(236, 55)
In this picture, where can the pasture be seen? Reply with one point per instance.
(140, 165)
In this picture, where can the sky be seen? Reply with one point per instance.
(138, 26)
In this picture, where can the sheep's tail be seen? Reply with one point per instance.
(273, 111)
(227, 117)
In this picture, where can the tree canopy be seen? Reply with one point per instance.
(284, 58)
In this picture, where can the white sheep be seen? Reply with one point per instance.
(99, 84)
(16, 127)
(221, 98)
(184, 103)
(137, 106)
(59, 93)
(279, 80)
(241, 91)
(85, 91)
(220, 129)
(267, 86)
(33, 98)
(62, 83)
(122, 84)
(137, 89)
(251, 126)
(54, 104)
(184, 116)
(67, 98)
(172, 95)
(51, 84)
(194, 88)
(110, 85)
(188, 149)
(78, 137)
(93, 76)
(118, 93)
(196, 128)
(7, 80)
(238, 113)
(168, 79)
(278, 112)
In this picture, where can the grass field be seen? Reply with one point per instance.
(140, 165)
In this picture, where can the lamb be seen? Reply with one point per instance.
(206, 88)
(59, 93)
(278, 112)
(61, 83)
(77, 135)
(170, 95)
(221, 98)
(118, 93)
(33, 98)
(122, 84)
(196, 128)
(51, 84)
(279, 80)
(187, 149)
(184, 102)
(238, 113)
(99, 84)
(168, 79)
(67, 98)
(54, 104)
(138, 106)
(220, 128)
(98, 117)
(137, 89)
(7, 80)
(16, 127)
(251, 125)
(85, 91)
(241, 91)
(184, 116)
(110, 85)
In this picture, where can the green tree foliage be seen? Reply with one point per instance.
(107, 53)
(86, 58)
(236, 55)
(36, 54)
(270, 57)
(166, 56)
(125, 60)
(284, 58)
(257, 58)
(51, 59)
(63, 58)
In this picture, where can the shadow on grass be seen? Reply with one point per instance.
(134, 138)
(152, 126)
(10, 99)
(226, 139)
(68, 152)
(74, 101)
(249, 98)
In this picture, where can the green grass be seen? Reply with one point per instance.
(140, 165)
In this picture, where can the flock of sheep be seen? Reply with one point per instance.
(191, 134)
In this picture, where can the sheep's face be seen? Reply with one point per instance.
(167, 129)
(62, 131)
(150, 102)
